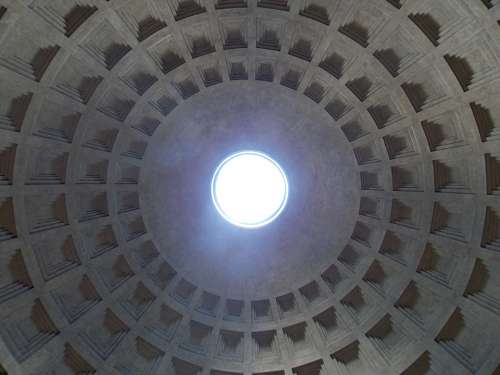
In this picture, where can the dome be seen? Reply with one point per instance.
(118, 257)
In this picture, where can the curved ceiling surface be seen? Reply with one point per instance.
(227, 260)
(113, 118)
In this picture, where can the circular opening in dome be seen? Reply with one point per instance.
(249, 189)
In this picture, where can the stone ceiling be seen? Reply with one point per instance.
(113, 117)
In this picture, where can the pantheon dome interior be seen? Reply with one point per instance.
(384, 117)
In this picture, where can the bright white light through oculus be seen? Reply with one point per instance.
(249, 189)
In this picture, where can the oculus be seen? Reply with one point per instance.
(249, 189)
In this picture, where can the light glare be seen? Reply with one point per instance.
(249, 189)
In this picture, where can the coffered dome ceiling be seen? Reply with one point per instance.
(113, 118)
